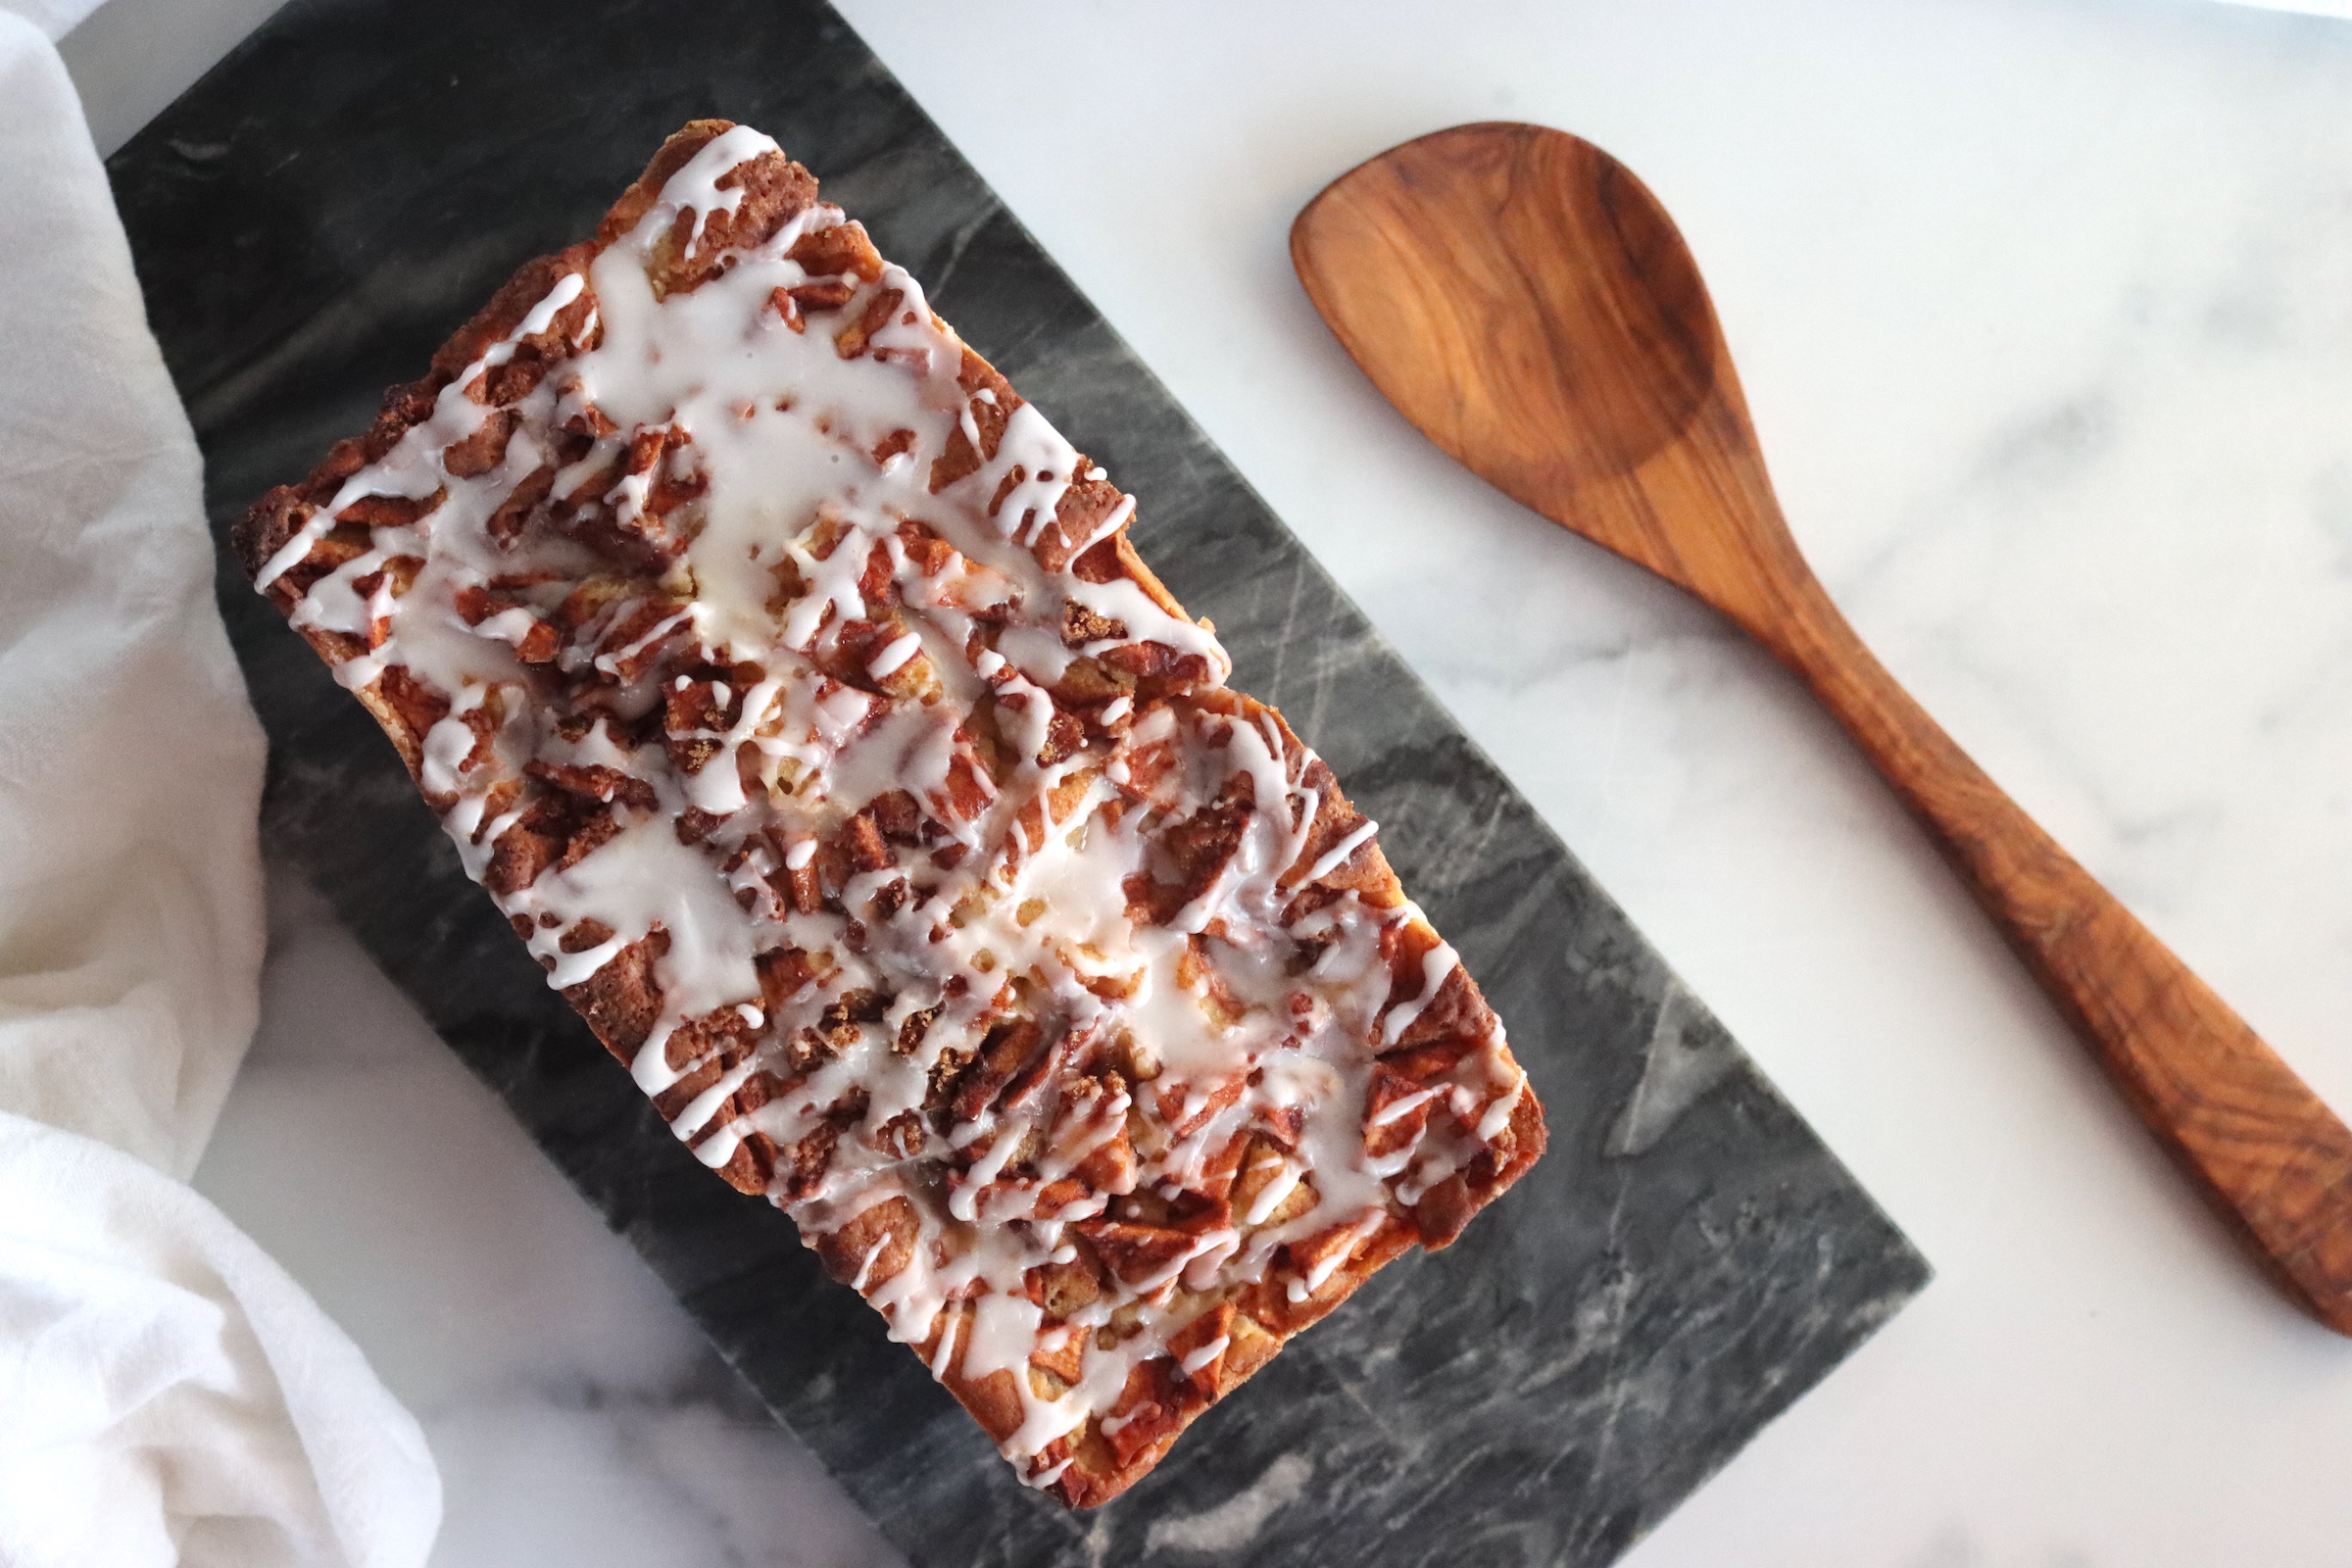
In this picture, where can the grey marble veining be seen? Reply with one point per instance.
(315, 217)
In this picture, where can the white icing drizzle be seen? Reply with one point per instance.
(1207, 1353)
(1436, 966)
(1336, 855)
(958, 1037)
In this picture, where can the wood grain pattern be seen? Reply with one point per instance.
(1526, 302)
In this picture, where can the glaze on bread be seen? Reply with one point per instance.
(795, 691)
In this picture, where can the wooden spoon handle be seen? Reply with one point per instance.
(2271, 1157)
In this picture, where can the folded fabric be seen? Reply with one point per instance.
(170, 1395)
(54, 18)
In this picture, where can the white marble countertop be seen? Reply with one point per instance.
(2045, 314)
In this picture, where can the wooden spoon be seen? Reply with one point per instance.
(1526, 302)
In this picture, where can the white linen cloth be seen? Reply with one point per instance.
(166, 1392)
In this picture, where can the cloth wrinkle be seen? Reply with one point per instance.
(172, 1396)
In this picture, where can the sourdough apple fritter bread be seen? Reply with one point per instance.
(793, 688)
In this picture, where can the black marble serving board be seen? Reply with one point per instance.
(312, 220)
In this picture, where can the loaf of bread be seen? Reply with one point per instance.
(795, 691)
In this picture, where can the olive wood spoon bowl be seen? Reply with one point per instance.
(1526, 302)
